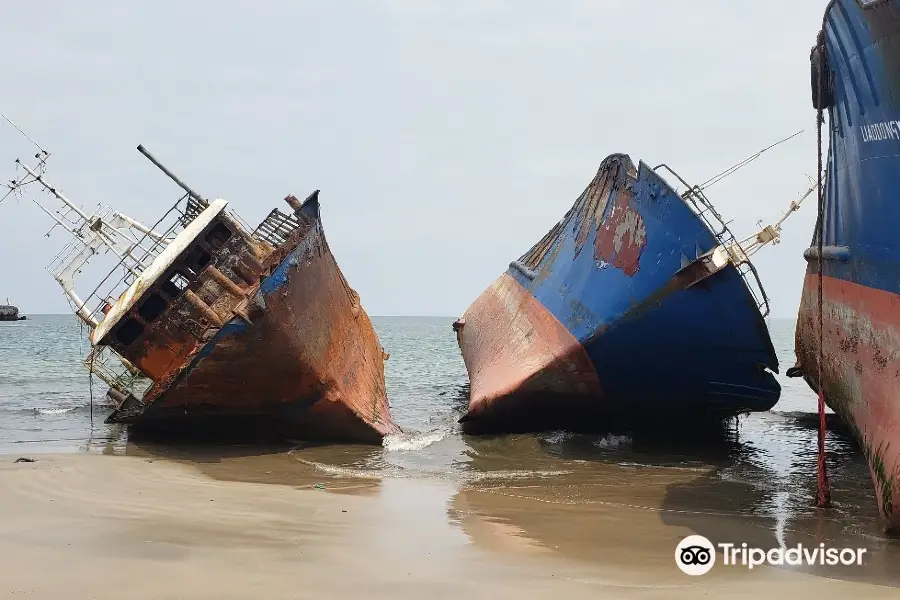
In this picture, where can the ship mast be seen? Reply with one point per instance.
(134, 244)
(128, 243)
(772, 233)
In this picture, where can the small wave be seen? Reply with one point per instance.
(556, 437)
(403, 442)
(41, 411)
(402, 473)
(612, 441)
(521, 474)
(55, 411)
(649, 465)
(343, 471)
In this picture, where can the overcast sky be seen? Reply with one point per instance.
(446, 136)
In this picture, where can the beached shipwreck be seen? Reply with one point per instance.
(203, 324)
(639, 306)
(848, 323)
(8, 312)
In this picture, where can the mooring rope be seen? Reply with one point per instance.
(91, 388)
(823, 497)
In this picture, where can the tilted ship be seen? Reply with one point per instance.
(203, 325)
(848, 346)
(638, 305)
(8, 312)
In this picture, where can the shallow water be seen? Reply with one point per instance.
(755, 482)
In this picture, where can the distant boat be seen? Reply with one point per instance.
(8, 312)
(639, 304)
(859, 73)
(206, 325)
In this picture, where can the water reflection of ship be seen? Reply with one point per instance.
(788, 517)
(562, 449)
(600, 512)
(636, 501)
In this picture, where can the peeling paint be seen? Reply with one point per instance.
(566, 329)
(621, 239)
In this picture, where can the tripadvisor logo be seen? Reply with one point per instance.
(696, 555)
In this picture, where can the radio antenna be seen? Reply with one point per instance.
(737, 166)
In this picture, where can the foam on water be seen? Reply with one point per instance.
(339, 471)
(513, 475)
(55, 411)
(406, 442)
(556, 437)
(651, 465)
(611, 441)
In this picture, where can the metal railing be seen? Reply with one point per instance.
(276, 228)
(140, 252)
(697, 201)
(104, 363)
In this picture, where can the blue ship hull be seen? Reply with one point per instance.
(621, 309)
(860, 257)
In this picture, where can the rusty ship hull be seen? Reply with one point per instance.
(300, 358)
(860, 279)
(620, 311)
(202, 325)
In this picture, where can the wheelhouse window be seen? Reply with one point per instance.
(153, 306)
(197, 258)
(217, 236)
(129, 331)
(175, 285)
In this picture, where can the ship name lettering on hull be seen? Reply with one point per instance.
(879, 132)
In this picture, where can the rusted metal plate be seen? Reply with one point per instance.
(513, 345)
(861, 372)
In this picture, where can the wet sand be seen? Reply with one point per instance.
(141, 526)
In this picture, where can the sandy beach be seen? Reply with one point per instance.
(92, 526)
